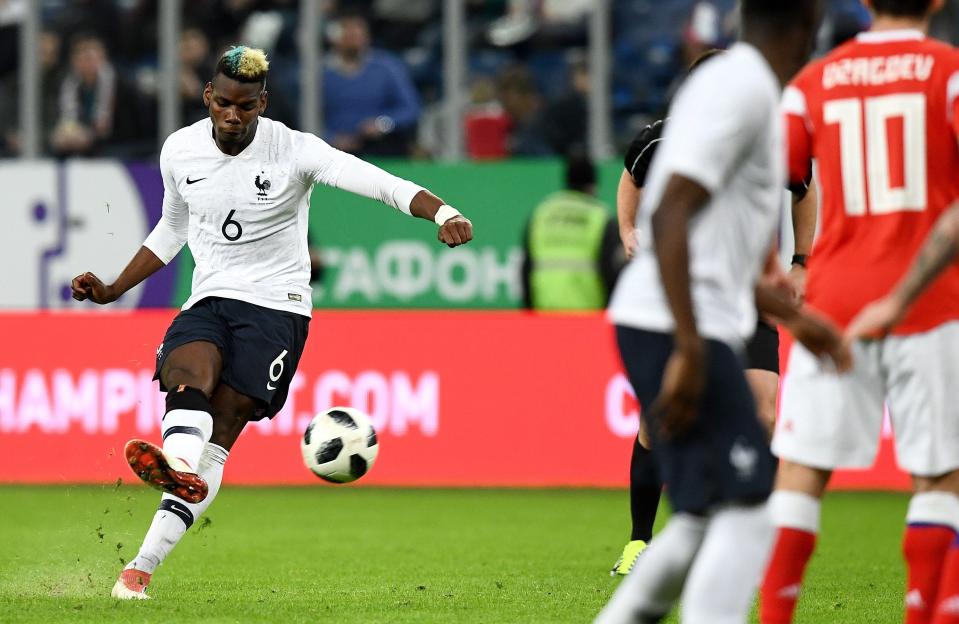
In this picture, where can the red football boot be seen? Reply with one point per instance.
(165, 473)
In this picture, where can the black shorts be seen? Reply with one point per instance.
(260, 347)
(724, 457)
(762, 351)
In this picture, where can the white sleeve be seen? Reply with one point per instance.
(170, 233)
(321, 163)
(952, 95)
(715, 119)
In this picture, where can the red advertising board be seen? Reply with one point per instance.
(458, 399)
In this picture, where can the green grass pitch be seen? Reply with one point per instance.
(342, 554)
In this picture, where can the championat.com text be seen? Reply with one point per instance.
(510, 405)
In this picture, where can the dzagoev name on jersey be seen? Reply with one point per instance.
(877, 70)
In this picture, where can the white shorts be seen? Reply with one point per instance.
(828, 420)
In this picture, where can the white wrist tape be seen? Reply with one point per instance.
(445, 213)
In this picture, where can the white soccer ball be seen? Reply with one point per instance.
(339, 445)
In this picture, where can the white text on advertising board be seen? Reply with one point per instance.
(104, 401)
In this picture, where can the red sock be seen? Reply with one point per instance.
(924, 547)
(780, 588)
(947, 605)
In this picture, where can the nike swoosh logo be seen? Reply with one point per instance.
(189, 181)
(175, 508)
(269, 387)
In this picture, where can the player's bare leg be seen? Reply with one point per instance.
(231, 411)
(190, 372)
(765, 387)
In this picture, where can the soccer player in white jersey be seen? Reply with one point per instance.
(684, 308)
(237, 189)
(762, 350)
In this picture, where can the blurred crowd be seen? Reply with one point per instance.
(382, 73)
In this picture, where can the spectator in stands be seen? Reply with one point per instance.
(221, 20)
(51, 76)
(839, 27)
(524, 105)
(101, 18)
(399, 23)
(195, 71)
(945, 23)
(486, 123)
(703, 32)
(565, 119)
(89, 116)
(555, 21)
(573, 254)
(11, 15)
(370, 104)
(517, 25)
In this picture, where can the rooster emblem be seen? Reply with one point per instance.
(263, 185)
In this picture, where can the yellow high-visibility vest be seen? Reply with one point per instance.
(565, 240)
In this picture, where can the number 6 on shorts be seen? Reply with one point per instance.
(276, 373)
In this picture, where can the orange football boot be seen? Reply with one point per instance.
(164, 472)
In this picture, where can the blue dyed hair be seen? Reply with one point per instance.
(244, 64)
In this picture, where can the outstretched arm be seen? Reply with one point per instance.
(88, 286)
(326, 165)
(941, 246)
(162, 245)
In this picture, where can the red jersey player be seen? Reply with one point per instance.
(879, 115)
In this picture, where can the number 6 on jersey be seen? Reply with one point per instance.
(233, 225)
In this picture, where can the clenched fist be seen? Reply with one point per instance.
(88, 286)
(456, 231)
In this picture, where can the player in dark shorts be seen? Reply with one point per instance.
(237, 186)
(685, 307)
(762, 351)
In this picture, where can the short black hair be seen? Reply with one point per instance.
(702, 58)
(779, 15)
(580, 172)
(243, 64)
(902, 8)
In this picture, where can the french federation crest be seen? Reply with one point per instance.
(744, 459)
(262, 184)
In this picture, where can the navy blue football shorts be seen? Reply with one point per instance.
(260, 347)
(724, 457)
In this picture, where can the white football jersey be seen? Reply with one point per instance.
(725, 133)
(245, 216)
